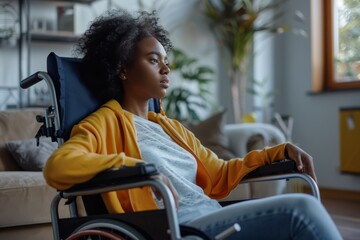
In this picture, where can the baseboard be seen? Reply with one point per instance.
(336, 193)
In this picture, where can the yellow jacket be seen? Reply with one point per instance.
(107, 139)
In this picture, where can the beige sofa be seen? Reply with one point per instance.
(25, 198)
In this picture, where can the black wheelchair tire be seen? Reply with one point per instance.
(192, 233)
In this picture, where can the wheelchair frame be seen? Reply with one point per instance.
(51, 126)
(165, 192)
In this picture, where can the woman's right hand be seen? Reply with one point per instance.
(304, 162)
(167, 182)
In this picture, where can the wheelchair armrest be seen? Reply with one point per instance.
(286, 166)
(118, 176)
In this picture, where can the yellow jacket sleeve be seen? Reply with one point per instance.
(90, 150)
(217, 176)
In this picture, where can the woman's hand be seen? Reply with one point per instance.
(169, 185)
(304, 162)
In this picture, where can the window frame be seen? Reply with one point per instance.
(323, 51)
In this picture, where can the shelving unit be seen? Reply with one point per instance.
(28, 36)
(52, 36)
(10, 94)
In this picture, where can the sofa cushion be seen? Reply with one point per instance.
(28, 155)
(25, 198)
(212, 135)
(16, 124)
(37, 232)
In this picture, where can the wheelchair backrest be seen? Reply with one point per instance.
(75, 97)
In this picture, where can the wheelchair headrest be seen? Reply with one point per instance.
(75, 97)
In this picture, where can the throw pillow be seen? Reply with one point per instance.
(255, 142)
(212, 135)
(29, 156)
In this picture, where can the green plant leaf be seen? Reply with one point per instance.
(179, 99)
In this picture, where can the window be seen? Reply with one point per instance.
(336, 44)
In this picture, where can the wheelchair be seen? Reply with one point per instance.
(72, 100)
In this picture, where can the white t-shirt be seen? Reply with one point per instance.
(178, 165)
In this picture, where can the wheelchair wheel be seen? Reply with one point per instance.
(105, 229)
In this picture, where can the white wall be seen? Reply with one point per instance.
(316, 127)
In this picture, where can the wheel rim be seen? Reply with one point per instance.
(105, 225)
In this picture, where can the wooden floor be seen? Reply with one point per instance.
(345, 212)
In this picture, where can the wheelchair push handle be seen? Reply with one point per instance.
(31, 80)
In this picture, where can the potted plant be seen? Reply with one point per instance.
(183, 101)
(234, 23)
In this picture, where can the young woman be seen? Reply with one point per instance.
(127, 62)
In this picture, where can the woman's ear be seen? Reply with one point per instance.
(123, 74)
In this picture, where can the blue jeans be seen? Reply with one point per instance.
(288, 216)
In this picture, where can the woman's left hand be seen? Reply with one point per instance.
(304, 162)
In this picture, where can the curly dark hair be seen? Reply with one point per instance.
(109, 44)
